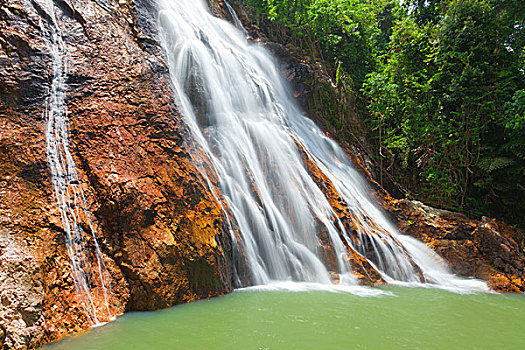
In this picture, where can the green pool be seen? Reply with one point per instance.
(399, 318)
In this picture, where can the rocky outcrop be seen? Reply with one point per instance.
(160, 230)
(487, 249)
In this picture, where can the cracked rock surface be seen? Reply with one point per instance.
(160, 230)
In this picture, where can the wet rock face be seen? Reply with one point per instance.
(160, 231)
(486, 249)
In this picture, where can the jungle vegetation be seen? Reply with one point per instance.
(440, 85)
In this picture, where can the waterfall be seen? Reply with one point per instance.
(289, 187)
(88, 270)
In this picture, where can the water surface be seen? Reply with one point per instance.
(400, 318)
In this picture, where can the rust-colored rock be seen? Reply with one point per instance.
(485, 248)
(364, 271)
(160, 230)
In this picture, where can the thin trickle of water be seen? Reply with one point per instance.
(236, 19)
(88, 270)
(279, 174)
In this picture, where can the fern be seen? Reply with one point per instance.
(491, 164)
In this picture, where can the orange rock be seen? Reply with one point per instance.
(160, 230)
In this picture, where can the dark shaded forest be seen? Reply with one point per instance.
(440, 85)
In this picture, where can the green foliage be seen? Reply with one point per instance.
(447, 102)
(342, 30)
(424, 11)
(441, 84)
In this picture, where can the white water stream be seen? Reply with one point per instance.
(241, 113)
(87, 267)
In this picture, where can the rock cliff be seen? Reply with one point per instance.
(160, 230)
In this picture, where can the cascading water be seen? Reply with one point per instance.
(284, 181)
(88, 275)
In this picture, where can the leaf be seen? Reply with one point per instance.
(491, 164)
